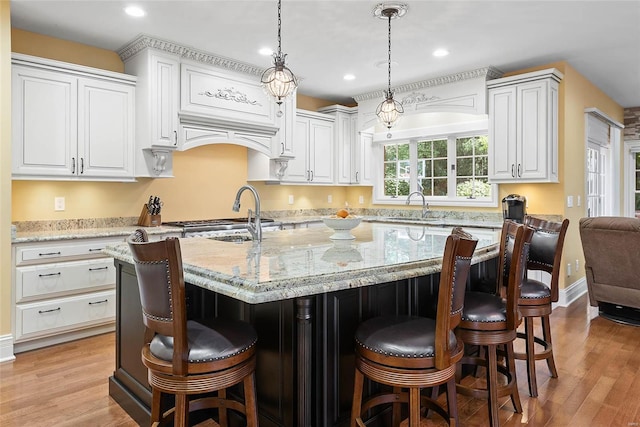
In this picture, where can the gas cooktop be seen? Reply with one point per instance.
(212, 222)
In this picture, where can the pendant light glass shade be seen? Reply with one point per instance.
(279, 81)
(389, 110)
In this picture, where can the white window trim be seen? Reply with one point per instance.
(462, 129)
(631, 147)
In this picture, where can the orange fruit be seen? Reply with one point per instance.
(342, 213)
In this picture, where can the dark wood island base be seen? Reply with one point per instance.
(305, 362)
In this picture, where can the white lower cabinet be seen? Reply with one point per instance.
(62, 290)
(62, 314)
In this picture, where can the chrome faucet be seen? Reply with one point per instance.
(255, 227)
(425, 205)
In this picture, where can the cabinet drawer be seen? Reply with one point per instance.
(49, 280)
(61, 251)
(57, 315)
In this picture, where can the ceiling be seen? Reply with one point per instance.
(325, 40)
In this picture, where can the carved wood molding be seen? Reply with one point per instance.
(145, 41)
(487, 72)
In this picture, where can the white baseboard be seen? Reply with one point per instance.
(572, 292)
(6, 348)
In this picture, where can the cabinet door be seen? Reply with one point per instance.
(533, 142)
(298, 169)
(502, 134)
(321, 151)
(105, 129)
(345, 149)
(165, 98)
(44, 123)
(364, 160)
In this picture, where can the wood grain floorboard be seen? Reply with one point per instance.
(598, 386)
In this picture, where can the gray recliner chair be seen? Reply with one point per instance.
(611, 248)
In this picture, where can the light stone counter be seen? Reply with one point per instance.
(294, 263)
(86, 233)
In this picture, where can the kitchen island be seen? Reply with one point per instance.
(305, 295)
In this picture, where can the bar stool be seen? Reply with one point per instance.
(490, 320)
(545, 254)
(186, 357)
(411, 352)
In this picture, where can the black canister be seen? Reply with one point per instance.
(514, 207)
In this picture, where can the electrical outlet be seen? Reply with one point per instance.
(579, 201)
(577, 264)
(329, 198)
(58, 204)
(568, 269)
(290, 199)
(569, 201)
(361, 200)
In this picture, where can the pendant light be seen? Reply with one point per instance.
(279, 81)
(389, 110)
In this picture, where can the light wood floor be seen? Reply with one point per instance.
(598, 385)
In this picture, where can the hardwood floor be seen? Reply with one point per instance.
(598, 364)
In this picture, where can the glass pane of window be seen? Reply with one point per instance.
(424, 150)
(464, 166)
(464, 147)
(482, 166)
(440, 187)
(427, 187)
(404, 169)
(440, 167)
(390, 170)
(440, 148)
(390, 152)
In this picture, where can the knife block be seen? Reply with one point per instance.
(146, 220)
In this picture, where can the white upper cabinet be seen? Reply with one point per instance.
(71, 122)
(352, 160)
(312, 147)
(157, 103)
(523, 127)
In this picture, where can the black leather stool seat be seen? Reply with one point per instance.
(400, 336)
(533, 289)
(483, 308)
(219, 339)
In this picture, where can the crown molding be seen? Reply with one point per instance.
(487, 72)
(145, 41)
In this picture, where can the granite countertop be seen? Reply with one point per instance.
(301, 262)
(86, 233)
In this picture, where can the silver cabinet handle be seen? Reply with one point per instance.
(99, 302)
(49, 253)
(95, 250)
(73, 165)
(175, 137)
(311, 172)
(519, 170)
(50, 274)
(513, 172)
(357, 180)
(49, 311)
(282, 152)
(99, 268)
(81, 165)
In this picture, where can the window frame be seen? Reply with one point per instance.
(449, 132)
(632, 148)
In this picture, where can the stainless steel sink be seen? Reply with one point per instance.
(233, 238)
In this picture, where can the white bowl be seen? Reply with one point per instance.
(342, 226)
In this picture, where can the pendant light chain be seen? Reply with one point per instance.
(279, 26)
(389, 93)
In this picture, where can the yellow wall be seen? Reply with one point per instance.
(5, 169)
(576, 94)
(62, 50)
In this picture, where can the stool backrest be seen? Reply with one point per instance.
(545, 251)
(162, 292)
(456, 263)
(514, 250)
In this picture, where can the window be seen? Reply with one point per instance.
(637, 184)
(451, 170)
(632, 179)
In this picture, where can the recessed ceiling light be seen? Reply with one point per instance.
(266, 51)
(134, 11)
(349, 77)
(439, 53)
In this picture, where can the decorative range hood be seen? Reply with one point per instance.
(187, 98)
